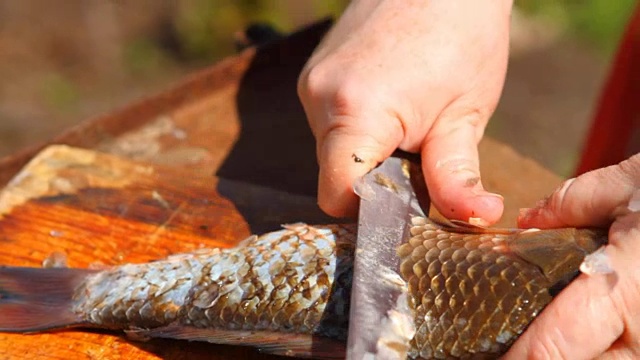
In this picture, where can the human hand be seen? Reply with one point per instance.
(420, 76)
(596, 316)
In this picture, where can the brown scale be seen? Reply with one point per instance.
(474, 292)
(279, 309)
(282, 283)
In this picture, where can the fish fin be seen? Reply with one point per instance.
(277, 343)
(34, 299)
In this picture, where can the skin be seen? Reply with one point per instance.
(422, 76)
(596, 316)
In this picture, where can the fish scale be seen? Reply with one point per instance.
(471, 290)
(280, 282)
(476, 295)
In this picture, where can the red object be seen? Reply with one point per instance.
(615, 132)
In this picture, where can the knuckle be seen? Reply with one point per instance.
(476, 117)
(546, 348)
(313, 81)
(539, 352)
(630, 169)
(463, 118)
(340, 93)
(347, 95)
(303, 84)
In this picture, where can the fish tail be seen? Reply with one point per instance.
(34, 299)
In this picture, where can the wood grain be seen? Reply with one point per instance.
(100, 209)
(239, 120)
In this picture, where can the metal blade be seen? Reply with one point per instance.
(378, 298)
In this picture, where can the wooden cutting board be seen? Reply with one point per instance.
(101, 209)
(156, 193)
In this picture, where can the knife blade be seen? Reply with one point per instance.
(380, 324)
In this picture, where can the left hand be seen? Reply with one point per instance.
(596, 316)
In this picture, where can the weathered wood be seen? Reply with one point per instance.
(100, 209)
(256, 88)
(241, 121)
(103, 209)
(520, 180)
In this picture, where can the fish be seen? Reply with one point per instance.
(472, 290)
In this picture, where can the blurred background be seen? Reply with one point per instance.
(62, 62)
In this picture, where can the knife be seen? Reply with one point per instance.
(380, 325)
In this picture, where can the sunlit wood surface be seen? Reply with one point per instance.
(222, 155)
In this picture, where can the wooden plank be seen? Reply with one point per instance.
(240, 120)
(102, 209)
(258, 86)
(99, 208)
(522, 181)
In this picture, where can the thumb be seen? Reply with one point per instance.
(347, 152)
(592, 199)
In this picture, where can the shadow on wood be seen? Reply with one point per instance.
(275, 147)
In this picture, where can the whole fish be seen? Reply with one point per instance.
(472, 290)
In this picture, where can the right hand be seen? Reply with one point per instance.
(422, 76)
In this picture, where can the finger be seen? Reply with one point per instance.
(348, 152)
(452, 172)
(592, 199)
(581, 323)
(623, 237)
(621, 350)
(600, 308)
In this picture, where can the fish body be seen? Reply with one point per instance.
(282, 281)
(472, 291)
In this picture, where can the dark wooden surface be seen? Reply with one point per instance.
(101, 209)
(224, 154)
